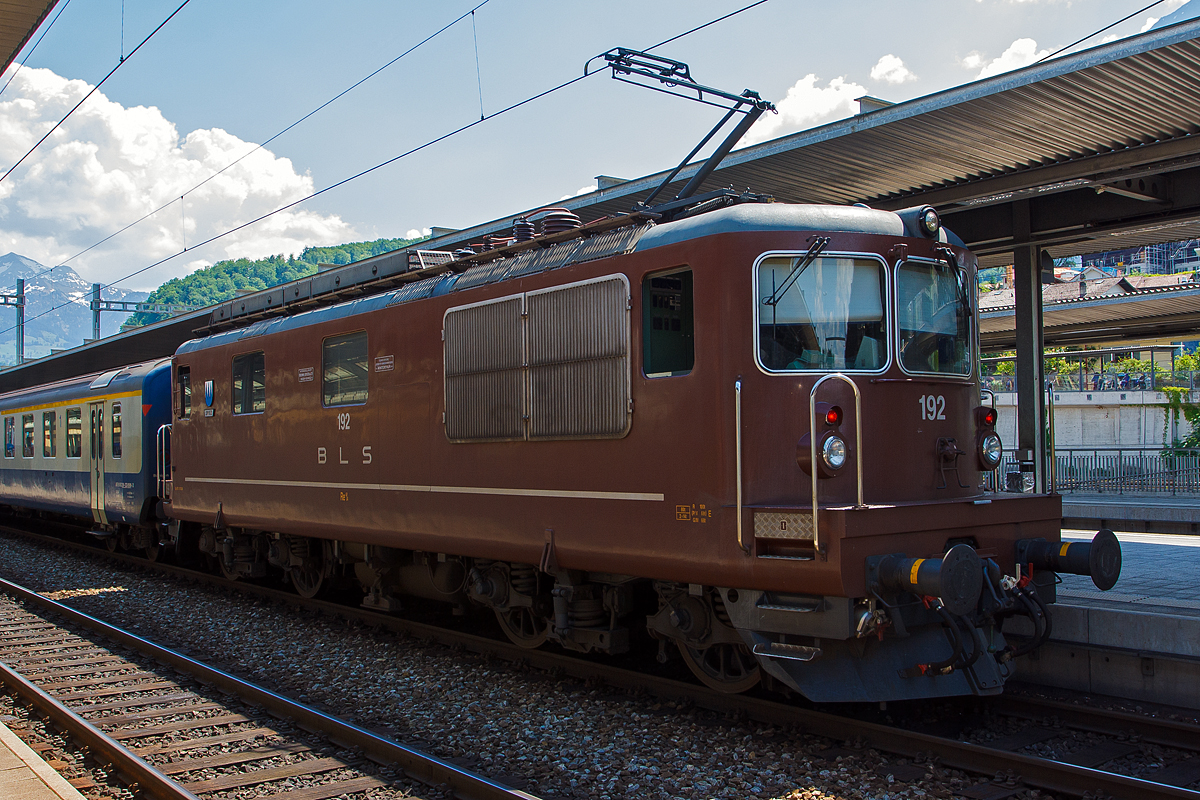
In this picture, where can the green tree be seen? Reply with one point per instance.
(226, 279)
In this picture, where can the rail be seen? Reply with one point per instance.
(812, 443)
(162, 469)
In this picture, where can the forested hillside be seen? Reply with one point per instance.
(225, 279)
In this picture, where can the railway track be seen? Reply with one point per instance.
(1110, 735)
(180, 730)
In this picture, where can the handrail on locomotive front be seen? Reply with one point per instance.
(812, 441)
(737, 416)
(162, 470)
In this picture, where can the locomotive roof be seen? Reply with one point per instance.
(783, 217)
(126, 379)
(633, 238)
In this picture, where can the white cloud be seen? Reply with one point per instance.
(1149, 24)
(414, 233)
(806, 105)
(591, 187)
(891, 69)
(109, 165)
(1020, 53)
(973, 60)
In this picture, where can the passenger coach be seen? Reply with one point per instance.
(85, 449)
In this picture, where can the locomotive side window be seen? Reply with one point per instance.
(183, 384)
(344, 369)
(668, 340)
(74, 433)
(934, 313)
(116, 430)
(249, 383)
(10, 437)
(50, 434)
(27, 435)
(828, 315)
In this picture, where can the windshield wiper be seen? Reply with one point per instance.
(814, 250)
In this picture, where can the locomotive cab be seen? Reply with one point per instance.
(865, 470)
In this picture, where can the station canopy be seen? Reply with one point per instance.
(18, 20)
(1098, 150)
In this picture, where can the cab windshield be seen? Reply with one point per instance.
(828, 315)
(934, 312)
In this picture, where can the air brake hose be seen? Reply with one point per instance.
(977, 646)
(1041, 604)
(946, 665)
(1039, 629)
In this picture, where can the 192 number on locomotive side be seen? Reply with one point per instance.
(933, 406)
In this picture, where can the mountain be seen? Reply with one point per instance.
(46, 289)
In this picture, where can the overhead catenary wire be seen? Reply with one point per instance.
(93, 90)
(378, 166)
(266, 142)
(1102, 30)
(28, 55)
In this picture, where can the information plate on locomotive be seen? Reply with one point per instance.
(782, 525)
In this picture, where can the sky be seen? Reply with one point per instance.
(224, 76)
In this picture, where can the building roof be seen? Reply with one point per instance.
(18, 20)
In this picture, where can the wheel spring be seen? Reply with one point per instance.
(587, 612)
(719, 610)
(299, 549)
(523, 578)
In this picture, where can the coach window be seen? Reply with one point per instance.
(344, 369)
(10, 434)
(827, 314)
(249, 383)
(668, 324)
(183, 380)
(116, 430)
(27, 436)
(50, 434)
(74, 433)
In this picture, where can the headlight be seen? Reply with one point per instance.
(990, 450)
(833, 452)
(930, 224)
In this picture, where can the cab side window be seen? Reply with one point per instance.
(115, 424)
(74, 433)
(668, 324)
(50, 434)
(183, 383)
(249, 383)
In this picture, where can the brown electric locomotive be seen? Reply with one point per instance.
(753, 434)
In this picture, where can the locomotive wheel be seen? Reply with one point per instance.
(308, 581)
(226, 573)
(153, 551)
(729, 668)
(523, 627)
(111, 543)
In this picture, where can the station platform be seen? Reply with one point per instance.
(24, 775)
(1159, 514)
(1140, 640)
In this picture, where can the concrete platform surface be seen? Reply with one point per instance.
(25, 776)
(1163, 513)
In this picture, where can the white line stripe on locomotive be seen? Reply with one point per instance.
(389, 487)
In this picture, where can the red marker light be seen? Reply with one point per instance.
(989, 417)
(833, 416)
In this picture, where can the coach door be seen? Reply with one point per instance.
(96, 455)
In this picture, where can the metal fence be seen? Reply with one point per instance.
(1102, 381)
(1133, 471)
